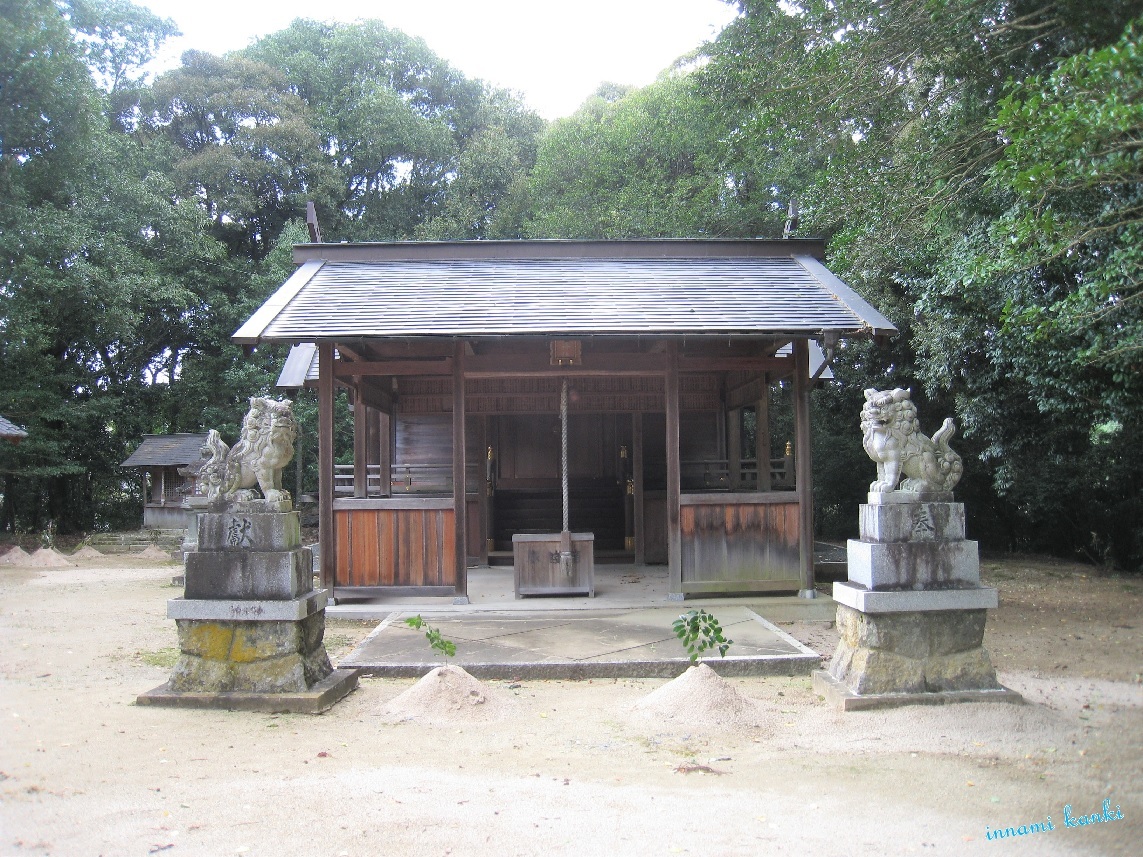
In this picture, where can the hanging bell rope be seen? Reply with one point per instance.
(566, 556)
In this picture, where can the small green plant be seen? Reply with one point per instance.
(439, 643)
(699, 631)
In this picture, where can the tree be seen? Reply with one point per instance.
(241, 144)
(643, 164)
(485, 196)
(97, 262)
(887, 121)
(392, 118)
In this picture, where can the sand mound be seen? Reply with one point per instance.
(87, 552)
(48, 558)
(16, 556)
(447, 694)
(152, 552)
(697, 699)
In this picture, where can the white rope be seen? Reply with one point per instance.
(564, 448)
(567, 557)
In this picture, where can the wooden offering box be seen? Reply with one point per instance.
(536, 562)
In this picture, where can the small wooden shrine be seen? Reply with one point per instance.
(456, 356)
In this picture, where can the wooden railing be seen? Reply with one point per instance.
(708, 475)
(404, 479)
(714, 475)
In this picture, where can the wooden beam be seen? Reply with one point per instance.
(460, 511)
(803, 465)
(745, 394)
(327, 536)
(539, 366)
(733, 364)
(674, 469)
(375, 397)
(312, 223)
(351, 368)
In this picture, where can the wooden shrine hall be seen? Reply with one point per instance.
(505, 392)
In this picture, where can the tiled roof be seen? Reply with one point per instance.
(166, 450)
(11, 431)
(349, 295)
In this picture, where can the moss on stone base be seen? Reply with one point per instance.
(255, 657)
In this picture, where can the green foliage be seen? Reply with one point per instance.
(433, 635)
(700, 631)
(397, 124)
(642, 164)
(1070, 247)
(994, 225)
(141, 225)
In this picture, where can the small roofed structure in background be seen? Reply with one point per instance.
(163, 461)
(456, 357)
(11, 432)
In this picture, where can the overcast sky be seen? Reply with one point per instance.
(554, 53)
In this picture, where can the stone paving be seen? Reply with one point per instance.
(576, 644)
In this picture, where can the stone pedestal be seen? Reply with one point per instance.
(194, 505)
(911, 616)
(250, 624)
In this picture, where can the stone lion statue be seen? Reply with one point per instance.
(892, 437)
(264, 448)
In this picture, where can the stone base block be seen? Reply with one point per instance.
(244, 531)
(912, 522)
(866, 600)
(249, 611)
(220, 656)
(919, 652)
(241, 575)
(323, 695)
(839, 696)
(914, 565)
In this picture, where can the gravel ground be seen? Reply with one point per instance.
(574, 767)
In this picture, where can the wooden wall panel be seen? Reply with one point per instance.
(386, 531)
(395, 547)
(423, 439)
(731, 544)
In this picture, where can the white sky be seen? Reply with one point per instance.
(554, 52)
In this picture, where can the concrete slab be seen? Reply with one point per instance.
(628, 587)
(572, 644)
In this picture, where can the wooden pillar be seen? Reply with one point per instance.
(484, 501)
(458, 472)
(360, 443)
(762, 435)
(734, 448)
(674, 533)
(327, 536)
(385, 452)
(803, 464)
(637, 480)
